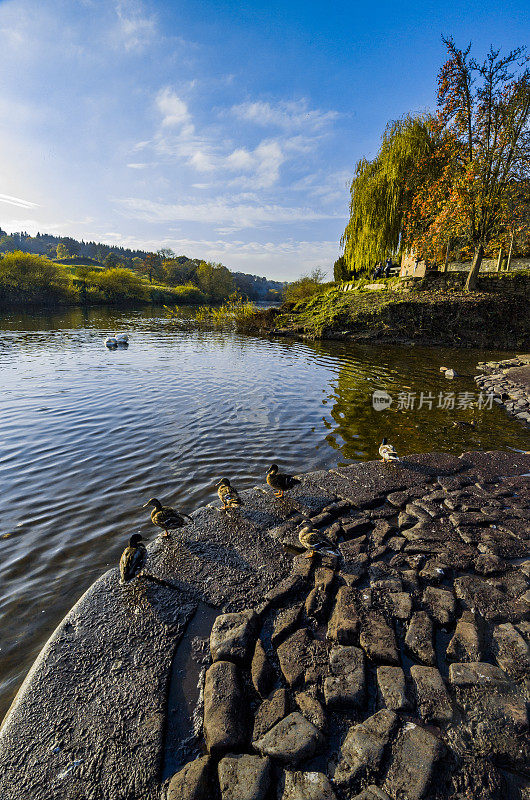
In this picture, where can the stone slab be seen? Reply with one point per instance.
(392, 688)
(360, 483)
(102, 677)
(305, 786)
(191, 782)
(292, 740)
(434, 704)
(244, 777)
(363, 748)
(413, 763)
(224, 714)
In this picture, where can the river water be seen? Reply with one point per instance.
(87, 435)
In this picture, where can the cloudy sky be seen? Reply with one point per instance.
(225, 130)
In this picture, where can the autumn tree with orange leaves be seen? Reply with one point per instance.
(482, 193)
(461, 176)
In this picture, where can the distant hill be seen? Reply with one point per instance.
(95, 253)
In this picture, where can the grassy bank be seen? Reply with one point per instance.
(438, 316)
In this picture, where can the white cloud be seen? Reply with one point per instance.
(136, 30)
(218, 212)
(240, 159)
(201, 161)
(286, 115)
(174, 110)
(264, 162)
(329, 187)
(17, 201)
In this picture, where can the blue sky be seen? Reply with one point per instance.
(224, 130)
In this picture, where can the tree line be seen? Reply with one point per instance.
(454, 182)
(160, 276)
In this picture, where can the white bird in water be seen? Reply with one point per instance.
(387, 452)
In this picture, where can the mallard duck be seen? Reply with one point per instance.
(228, 496)
(280, 482)
(387, 452)
(111, 342)
(132, 559)
(121, 338)
(165, 517)
(462, 423)
(314, 541)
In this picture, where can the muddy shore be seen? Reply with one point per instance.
(399, 669)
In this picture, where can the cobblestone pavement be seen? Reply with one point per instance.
(509, 382)
(398, 669)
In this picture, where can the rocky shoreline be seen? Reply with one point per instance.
(509, 382)
(398, 670)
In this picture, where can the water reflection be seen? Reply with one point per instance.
(88, 435)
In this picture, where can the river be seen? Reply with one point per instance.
(88, 435)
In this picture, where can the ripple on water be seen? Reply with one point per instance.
(88, 435)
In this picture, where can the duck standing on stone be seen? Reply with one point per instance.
(387, 452)
(279, 482)
(314, 541)
(228, 495)
(132, 559)
(165, 517)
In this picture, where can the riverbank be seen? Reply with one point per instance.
(403, 665)
(420, 316)
(151, 295)
(509, 382)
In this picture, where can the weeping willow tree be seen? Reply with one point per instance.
(382, 189)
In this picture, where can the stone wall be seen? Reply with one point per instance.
(411, 268)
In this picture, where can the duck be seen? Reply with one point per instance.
(387, 451)
(228, 495)
(132, 559)
(121, 338)
(314, 541)
(280, 482)
(165, 517)
(111, 342)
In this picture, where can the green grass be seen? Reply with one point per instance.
(451, 317)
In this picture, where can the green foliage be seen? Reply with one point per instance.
(306, 286)
(178, 271)
(8, 244)
(215, 280)
(62, 251)
(177, 295)
(119, 284)
(380, 190)
(111, 261)
(234, 313)
(153, 267)
(26, 277)
(340, 270)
